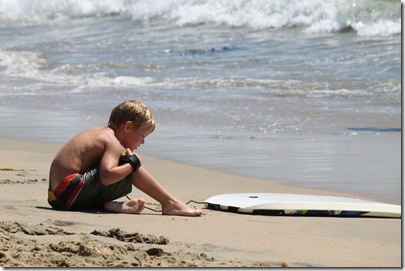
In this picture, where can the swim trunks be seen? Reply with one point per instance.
(85, 191)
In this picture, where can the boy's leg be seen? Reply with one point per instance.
(145, 182)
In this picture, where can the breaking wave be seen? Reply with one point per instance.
(366, 17)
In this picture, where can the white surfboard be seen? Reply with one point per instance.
(299, 204)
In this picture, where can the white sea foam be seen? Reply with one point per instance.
(367, 17)
(21, 63)
(43, 11)
(35, 66)
(379, 28)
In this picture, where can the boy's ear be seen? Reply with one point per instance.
(128, 125)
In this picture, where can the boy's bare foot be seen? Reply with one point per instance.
(180, 209)
(133, 206)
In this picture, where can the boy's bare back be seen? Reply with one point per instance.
(81, 152)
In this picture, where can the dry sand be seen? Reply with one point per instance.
(34, 235)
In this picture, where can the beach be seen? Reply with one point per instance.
(34, 235)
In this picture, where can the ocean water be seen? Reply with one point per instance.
(306, 92)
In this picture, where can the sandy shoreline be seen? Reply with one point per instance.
(34, 235)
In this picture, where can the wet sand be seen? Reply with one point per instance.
(34, 235)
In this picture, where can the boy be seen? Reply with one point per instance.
(92, 170)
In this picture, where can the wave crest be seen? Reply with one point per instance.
(367, 17)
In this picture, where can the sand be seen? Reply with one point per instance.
(34, 235)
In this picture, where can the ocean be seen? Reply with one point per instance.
(306, 92)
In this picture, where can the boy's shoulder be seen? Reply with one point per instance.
(100, 133)
(95, 137)
(100, 130)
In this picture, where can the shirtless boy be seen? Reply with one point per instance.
(92, 169)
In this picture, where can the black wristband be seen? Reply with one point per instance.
(130, 159)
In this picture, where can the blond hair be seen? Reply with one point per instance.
(135, 111)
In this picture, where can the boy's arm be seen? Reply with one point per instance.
(110, 171)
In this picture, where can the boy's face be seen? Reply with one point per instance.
(136, 136)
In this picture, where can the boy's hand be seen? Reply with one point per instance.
(130, 158)
(129, 151)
